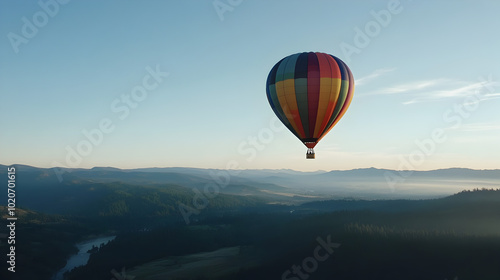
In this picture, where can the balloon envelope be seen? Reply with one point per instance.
(310, 92)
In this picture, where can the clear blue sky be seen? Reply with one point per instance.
(413, 76)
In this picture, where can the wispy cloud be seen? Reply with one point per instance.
(490, 96)
(443, 89)
(408, 87)
(475, 127)
(375, 74)
(460, 91)
(439, 89)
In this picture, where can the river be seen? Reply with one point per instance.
(82, 257)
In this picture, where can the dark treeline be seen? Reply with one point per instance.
(429, 243)
(456, 236)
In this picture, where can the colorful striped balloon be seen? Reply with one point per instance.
(310, 92)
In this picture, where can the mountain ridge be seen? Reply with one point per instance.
(285, 170)
(361, 183)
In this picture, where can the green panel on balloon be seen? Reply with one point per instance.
(301, 95)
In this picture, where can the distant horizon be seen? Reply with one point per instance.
(258, 169)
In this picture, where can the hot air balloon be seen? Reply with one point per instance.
(310, 92)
